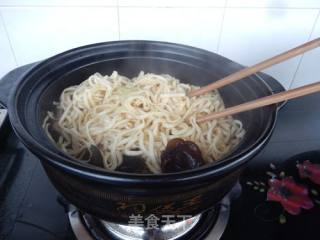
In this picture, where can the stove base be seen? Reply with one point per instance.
(209, 225)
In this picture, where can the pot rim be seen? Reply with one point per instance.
(67, 163)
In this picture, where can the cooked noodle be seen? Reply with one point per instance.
(138, 117)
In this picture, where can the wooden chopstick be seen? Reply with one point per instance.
(268, 100)
(257, 67)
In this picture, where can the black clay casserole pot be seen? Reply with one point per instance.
(114, 196)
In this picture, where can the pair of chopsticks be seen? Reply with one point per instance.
(279, 97)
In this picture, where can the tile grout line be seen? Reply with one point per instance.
(221, 25)
(172, 6)
(57, 6)
(150, 6)
(9, 39)
(301, 58)
(118, 15)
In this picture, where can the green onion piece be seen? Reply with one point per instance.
(282, 219)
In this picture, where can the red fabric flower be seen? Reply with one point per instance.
(291, 195)
(310, 170)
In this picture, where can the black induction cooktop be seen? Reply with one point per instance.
(31, 208)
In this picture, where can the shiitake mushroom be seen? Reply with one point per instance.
(180, 155)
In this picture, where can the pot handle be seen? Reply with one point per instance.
(274, 85)
(8, 81)
(5, 86)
